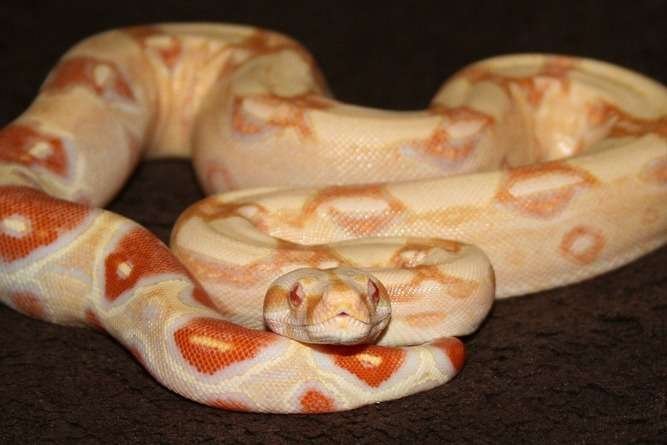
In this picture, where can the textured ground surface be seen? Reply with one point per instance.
(582, 364)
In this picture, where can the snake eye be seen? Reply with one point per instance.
(373, 292)
(296, 295)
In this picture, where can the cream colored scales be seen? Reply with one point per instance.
(549, 169)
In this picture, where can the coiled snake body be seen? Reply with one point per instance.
(554, 167)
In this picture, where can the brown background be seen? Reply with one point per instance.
(581, 364)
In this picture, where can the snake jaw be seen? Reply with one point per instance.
(341, 329)
(344, 329)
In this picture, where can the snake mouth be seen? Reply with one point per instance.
(339, 316)
(342, 329)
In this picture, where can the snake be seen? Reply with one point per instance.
(367, 240)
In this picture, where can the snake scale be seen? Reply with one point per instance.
(527, 172)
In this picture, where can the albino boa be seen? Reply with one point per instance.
(555, 167)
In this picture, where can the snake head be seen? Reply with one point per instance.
(332, 306)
